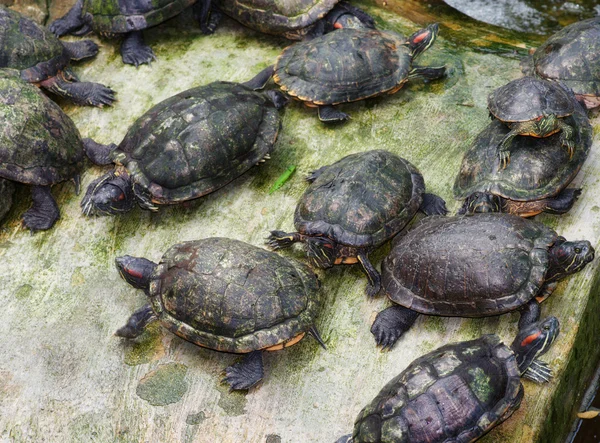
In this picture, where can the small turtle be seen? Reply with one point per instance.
(458, 392)
(354, 206)
(474, 266)
(571, 56)
(296, 20)
(7, 189)
(44, 60)
(538, 175)
(532, 106)
(186, 146)
(228, 296)
(349, 65)
(113, 17)
(39, 146)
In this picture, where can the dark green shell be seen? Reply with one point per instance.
(29, 47)
(361, 200)
(344, 66)
(450, 265)
(456, 393)
(230, 296)
(39, 143)
(528, 98)
(539, 167)
(290, 18)
(118, 16)
(7, 190)
(198, 141)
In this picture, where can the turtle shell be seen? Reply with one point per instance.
(469, 266)
(528, 98)
(290, 18)
(456, 393)
(39, 143)
(361, 200)
(118, 16)
(539, 167)
(230, 296)
(344, 66)
(6, 196)
(198, 141)
(29, 47)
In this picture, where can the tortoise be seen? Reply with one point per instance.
(39, 146)
(349, 65)
(228, 296)
(114, 17)
(296, 20)
(532, 106)
(458, 392)
(474, 266)
(538, 175)
(571, 56)
(186, 146)
(43, 60)
(7, 189)
(354, 206)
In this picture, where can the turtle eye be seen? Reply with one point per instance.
(121, 196)
(577, 250)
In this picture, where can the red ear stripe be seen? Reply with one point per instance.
(419, 38)
(133, 273)
(530, 338)
(337, 26)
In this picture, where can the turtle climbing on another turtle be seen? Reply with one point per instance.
(473, 266)
(458, 392)
(537, 178)
(186, 146)
(43, 60)
(226, 295)
(349, 65)
(354, 206)
(534, 107)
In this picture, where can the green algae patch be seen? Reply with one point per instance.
(163, 386)
(195, 419)
(23, 292)
(233, 403)
(148, 347)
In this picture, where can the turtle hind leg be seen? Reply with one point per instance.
(328, 114)
(433, 205)
(134, 51)
(391, 323)
(82, 49)
(207, 15)
(259, 81)
(44, 212)
(563, 202)
(80, 93)
(136, 323)
(70, 22)
(246, 373)
(281, 239)
(374, 285)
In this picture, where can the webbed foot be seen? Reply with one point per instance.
(44, 212)
(390, 324)
(246, 373)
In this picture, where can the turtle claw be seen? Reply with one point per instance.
(569, 145)
(504, 157)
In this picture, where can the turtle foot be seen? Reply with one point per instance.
(390, 324)
(433, 205)
(279, 239)
(134, 51)
(44, 212)
(82, 49)
(504, 157)
(246, 373)
(328, 114)
(98, 95)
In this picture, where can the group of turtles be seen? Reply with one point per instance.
(230, 296)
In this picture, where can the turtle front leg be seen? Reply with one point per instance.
(80, 93)
(538, 371)
(207, 15)
(328, 114)
(503, 150)
(530, 313)
(137, 322)
(391, 323)
(82, 49)
(566, 136)
(44, 211)
(433, 205)
(134, 51)
(374, 285)
(260, 80)
(70, 22)
(99, 154)
(280, 239)
(246, 373)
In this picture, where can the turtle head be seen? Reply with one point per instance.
(480, 202)
(135, 270)
(534, 340)
(423, 39)
(321, 251)
(111, 194)
(568, 257)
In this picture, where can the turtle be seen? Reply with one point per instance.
(43, 60)
(354, 206)
(114, 17)
(349, 65)
(571, 56)
(7, 189)
(474, 266)
(186, 146)
(226, 295)
(39, 146)
(537, 178)
(296, 20)
(458, 392)
(532, 106)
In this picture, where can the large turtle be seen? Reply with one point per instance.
(349, 65)
(571, 56)
(296, 19)
(44, 60)
(354, 206)
(39, 146)
(226, 295)
(185, 147)
(532, 106)
(113, 17)
(474, 266)
(537, 177)
(458, 392)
